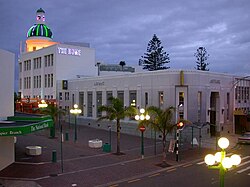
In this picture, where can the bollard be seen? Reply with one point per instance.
(54, 156)
(66, 136)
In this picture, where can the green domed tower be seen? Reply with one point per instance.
(39, 35)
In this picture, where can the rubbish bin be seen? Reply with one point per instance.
(67, 136)
(54, 159)
(106, 147)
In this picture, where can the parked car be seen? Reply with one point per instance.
(245, 138)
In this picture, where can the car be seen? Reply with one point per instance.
(245, 138)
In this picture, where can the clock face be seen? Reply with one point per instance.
(40, 18)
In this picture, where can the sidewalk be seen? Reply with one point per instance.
(80, 161)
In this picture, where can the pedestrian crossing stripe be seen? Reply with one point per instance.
(245, 169)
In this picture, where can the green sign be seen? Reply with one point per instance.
(25, 129)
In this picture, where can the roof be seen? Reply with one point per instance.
(40, 30)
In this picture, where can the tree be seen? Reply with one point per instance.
(122, 63)
(161, 121)
(155, 58)
(54, 112)
(116, 111)
(201, 57)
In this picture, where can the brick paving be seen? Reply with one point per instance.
(83, 165)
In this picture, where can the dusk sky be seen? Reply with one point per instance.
(121, 29)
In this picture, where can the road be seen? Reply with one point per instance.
(195, 174)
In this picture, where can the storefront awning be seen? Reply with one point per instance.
(21, 127)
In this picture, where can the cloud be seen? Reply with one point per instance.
(121, 30)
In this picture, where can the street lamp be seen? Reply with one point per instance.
(220, 161)
(75, 111)
(142, 128)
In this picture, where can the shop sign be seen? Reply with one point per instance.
(26, 129)
(69, 51)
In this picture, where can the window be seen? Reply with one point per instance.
(48, 80)
(120, 95)
(66, 96)
(51, 79)
(45, 81)
(132, 98)
(39, 81)
(20, 67)
(81, 102)
(109, 95)
(146, 99)
(90, 103)
(161, 98)
(48, 60)
(181, 105)
(98, 103)
(34, 82)
(60, 96)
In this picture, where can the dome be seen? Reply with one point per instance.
(39, 30)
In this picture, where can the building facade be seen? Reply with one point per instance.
(198, 96)
(7, 61)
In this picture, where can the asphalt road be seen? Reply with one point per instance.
(195, 174)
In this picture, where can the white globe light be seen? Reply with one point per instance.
(227, 163)
(209, 159)
(75, 106)
(217, 157)
(142, 110)
(142, 117)
(137, 117)
(236, 160)
(223, 143)
(147, 117)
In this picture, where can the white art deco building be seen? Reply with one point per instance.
(44, 61)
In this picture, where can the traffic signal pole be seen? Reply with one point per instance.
(180, 126)
(177, 144)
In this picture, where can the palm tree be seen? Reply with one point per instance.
(116, 111)
(161, 121)
(54, 112)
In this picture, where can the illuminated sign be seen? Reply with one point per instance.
(69, 51)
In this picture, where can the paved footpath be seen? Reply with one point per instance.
(84, 166)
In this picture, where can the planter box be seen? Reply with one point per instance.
(33, 150)
(96, 143)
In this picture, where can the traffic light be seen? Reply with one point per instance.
(180, 125)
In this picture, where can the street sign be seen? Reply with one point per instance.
(171, 146)
(142, 128)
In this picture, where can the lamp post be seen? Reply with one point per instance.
(220, 161)
(75, 111)
(61, 130)
(142, 128)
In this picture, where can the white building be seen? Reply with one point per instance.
(203, 96)
(44, 62)
(7, 61)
